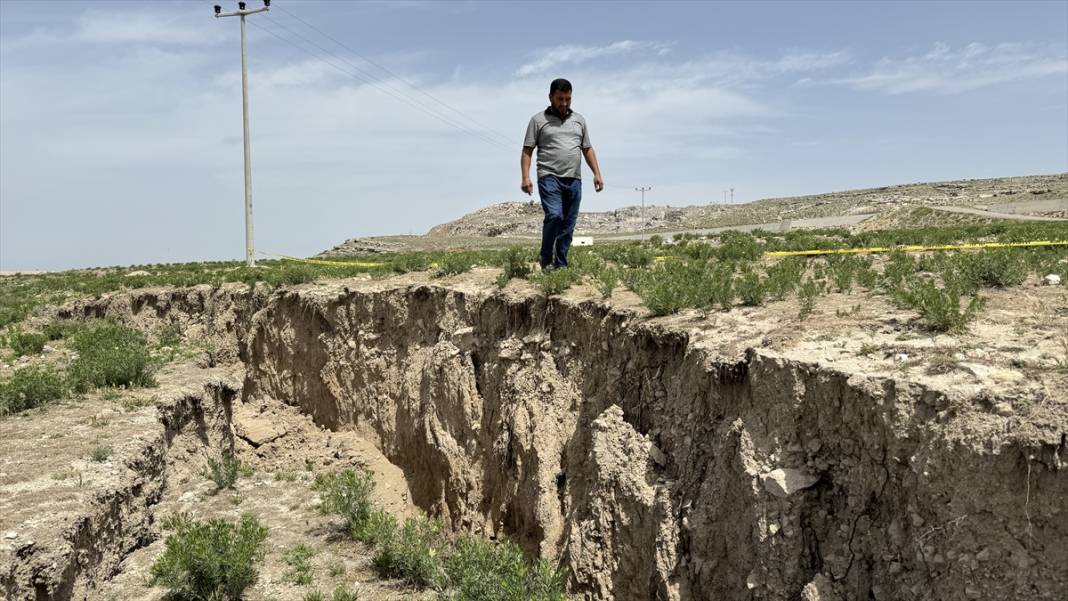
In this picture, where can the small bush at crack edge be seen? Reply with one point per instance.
(210, 560)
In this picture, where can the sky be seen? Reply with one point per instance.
(121, 135)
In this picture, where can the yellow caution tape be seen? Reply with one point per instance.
(915, 248)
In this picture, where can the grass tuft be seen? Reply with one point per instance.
(224, 470)
(300, 568)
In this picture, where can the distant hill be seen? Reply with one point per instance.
(1032, 195)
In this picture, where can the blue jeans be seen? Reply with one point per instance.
(560, 197)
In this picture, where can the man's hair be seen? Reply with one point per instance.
(559, 85)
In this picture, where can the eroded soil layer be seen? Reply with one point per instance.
(659, 465)
(69, 522)
(740, 455)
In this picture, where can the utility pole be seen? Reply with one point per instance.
(732, 195)
(643, 190)
(241, 12)
(724, 197)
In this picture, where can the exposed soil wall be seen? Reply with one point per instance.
(654, 467)
(75, 553)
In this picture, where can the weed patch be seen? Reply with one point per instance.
(224, 471)
(347, 494)
(412, 554)
(110, 355)
(455, 263)
(555, 281)
(479, 570)
(26, 343)
(101, 454)
(300, 568)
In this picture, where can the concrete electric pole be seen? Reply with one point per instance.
(643, 190)
(241, 12)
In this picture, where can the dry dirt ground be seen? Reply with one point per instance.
(742, 454)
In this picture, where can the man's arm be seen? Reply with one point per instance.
(591, 160)
(524, 168)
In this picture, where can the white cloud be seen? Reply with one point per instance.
(946, 70)
(140, 26)
(577, 55)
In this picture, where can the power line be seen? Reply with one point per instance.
(382, 86)
(393, 73)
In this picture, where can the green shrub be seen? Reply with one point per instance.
(26, 343)
(606, 281)
(750, 289)
(479, 570)
(378, 526)
(413, 553)
(223, 471)
(848, 269)
(1000, 268)
(673, 285)
(784, 277)
(721, 286)
(300, 568)
(101, 454)
(341, 593)
(455, 263)
(627, 254)
(940, 307)
(110, 355)
(516, 262)
(898, 269)
(58, 330)
(806, 298)
(347, 494)
(738, 246)
(213, 560)
(30, 387)
(585, 260)
(554, 281)
(408, 262)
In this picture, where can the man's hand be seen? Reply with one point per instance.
(598, 183)
(527, 187)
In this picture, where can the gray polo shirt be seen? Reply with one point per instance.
(559, 142)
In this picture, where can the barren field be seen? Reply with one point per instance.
(694, 420)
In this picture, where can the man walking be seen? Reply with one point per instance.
(562, 140)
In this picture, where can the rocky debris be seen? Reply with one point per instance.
(785, 482)
(136, 273)
(1052, 280)
(256, 429)
(361, 246)
(820, 589)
